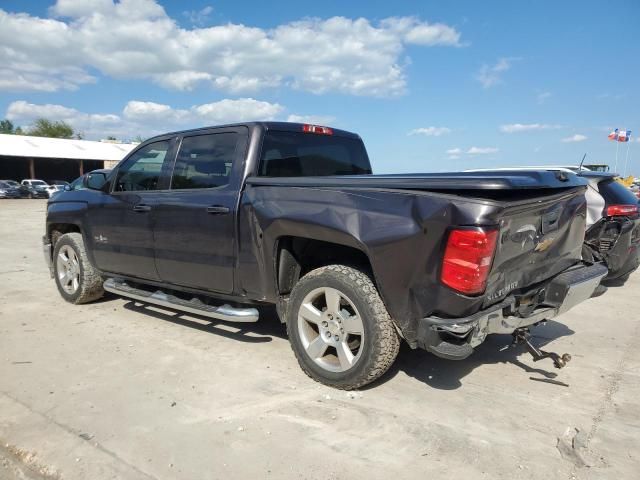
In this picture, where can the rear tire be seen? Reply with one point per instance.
(78, 281)
(339, 328)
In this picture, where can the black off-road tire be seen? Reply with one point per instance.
(90, 280)
(381, 343)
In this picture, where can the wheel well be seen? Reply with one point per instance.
(56, 230)
(297, 255)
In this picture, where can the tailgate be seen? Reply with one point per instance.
(539, 238)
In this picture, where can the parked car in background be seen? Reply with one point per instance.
(61, 183)
(9, 191)
(613, 225)
(57, 185)
(39, 185)
(26, 191)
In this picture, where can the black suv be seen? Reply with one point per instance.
(613, 226)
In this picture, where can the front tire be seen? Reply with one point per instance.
(339, 328)
(77, 279)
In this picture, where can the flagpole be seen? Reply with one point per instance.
(617, 145)
(627, 158)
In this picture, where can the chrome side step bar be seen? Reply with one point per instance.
(223, 312)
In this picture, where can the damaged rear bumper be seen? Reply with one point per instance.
(455, 338)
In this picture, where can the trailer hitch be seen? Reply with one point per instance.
(521, 337)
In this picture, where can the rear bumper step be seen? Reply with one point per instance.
(195, 306)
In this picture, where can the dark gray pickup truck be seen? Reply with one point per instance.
(221, 221)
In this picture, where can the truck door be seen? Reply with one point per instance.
(120, 222)
(194, 228)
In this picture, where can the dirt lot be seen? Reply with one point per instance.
(116, 390)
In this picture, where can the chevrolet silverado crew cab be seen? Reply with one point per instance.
(222, 221)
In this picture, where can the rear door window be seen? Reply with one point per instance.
(295, 154)
(204, 161)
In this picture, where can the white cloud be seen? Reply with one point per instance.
(137, 39)
(199, 17)
(455, 153)
(421, 33)
(575, 138)
(430, 131)
(526, 127)
(482, 150)
(543, 97)
(146, 118)
(491, 75)
(75, 8)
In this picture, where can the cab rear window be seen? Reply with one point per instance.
(293, 154)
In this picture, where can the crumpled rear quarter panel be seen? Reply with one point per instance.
(401, 232)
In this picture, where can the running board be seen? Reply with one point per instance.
(223, 312)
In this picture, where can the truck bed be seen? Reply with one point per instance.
(451, 182)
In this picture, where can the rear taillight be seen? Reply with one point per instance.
(621, 210)
(467, 259)
(317, 129)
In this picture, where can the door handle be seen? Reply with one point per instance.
(217, 210)
(142, 208)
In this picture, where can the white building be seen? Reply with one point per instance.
(23, 156)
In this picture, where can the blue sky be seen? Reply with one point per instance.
(480, 84)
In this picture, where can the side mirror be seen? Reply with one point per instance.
(67, 188)
(95, 181)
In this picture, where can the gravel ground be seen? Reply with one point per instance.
(116, 390)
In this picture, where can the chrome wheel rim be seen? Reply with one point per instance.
(331, 329)
(68, 269)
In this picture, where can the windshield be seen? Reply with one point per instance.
(38, 183)
(294, 154)
(13, 183)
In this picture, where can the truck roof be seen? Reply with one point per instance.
(270, 125)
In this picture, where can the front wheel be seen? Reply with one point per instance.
(76, 278)
(339, 328)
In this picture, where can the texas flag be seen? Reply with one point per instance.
(613, 135)
(624, 136)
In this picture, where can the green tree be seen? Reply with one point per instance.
(6, 126)
(46, 128)
(111, 137)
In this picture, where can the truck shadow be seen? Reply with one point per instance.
(255, 332)
(419, 364)
(448, 374)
